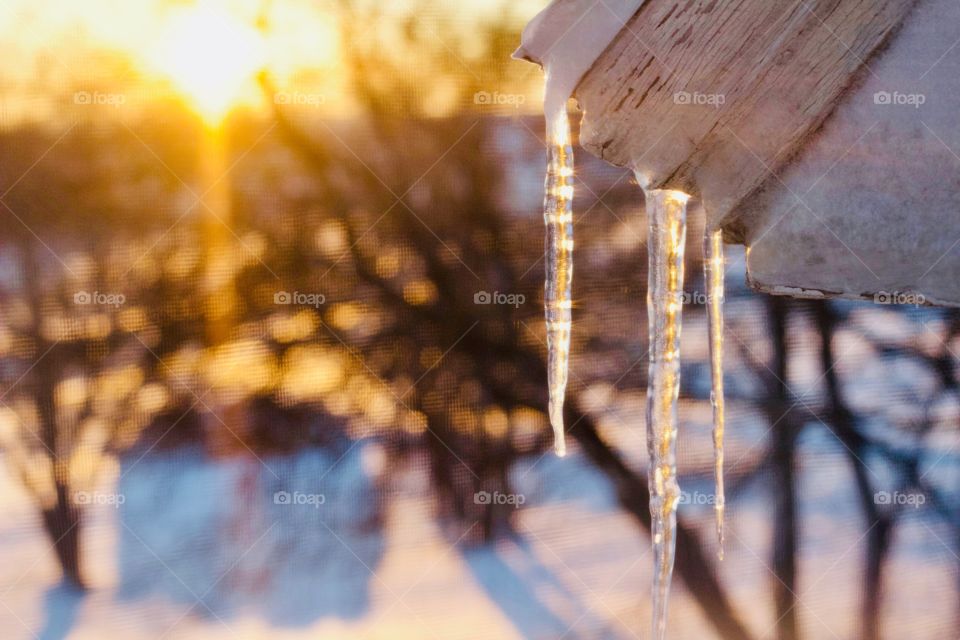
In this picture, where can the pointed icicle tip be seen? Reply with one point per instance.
(559, 438)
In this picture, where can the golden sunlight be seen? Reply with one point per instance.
(210, 56)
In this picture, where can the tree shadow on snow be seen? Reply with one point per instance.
(292, 538)
(529, 594)
(61, 603)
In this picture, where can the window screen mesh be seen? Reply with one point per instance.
(276, 368)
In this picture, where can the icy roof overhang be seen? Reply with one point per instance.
(823, 135)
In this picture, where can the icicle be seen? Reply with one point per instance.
(666, 212)
(565, 39)
(713, 272)
(558, 218)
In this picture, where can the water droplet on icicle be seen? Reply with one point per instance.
(666, 213)
(558, 218)
(713, 271)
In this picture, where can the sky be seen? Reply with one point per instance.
(49, 43)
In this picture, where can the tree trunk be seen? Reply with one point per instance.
(61, 520)
(784, 490)
(62, 524)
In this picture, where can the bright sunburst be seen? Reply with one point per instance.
(210, 56)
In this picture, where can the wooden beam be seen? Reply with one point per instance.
(711, 96)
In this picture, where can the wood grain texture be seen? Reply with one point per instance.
(711, 96)
(869, 207)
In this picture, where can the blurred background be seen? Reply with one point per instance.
(272, 358)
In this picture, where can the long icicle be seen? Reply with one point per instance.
(666, 211)
(558, 218)
(714, 272)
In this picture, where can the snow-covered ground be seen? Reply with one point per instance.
(205, 548)
(201, 548)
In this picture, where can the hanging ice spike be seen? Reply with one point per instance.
(558, 218)
(666, 213)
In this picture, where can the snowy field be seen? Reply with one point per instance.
(201, 549)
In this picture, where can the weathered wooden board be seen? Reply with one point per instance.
(709, 96)
(822, 134)
(870, 205)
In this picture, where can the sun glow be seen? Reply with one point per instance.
(210, 56)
